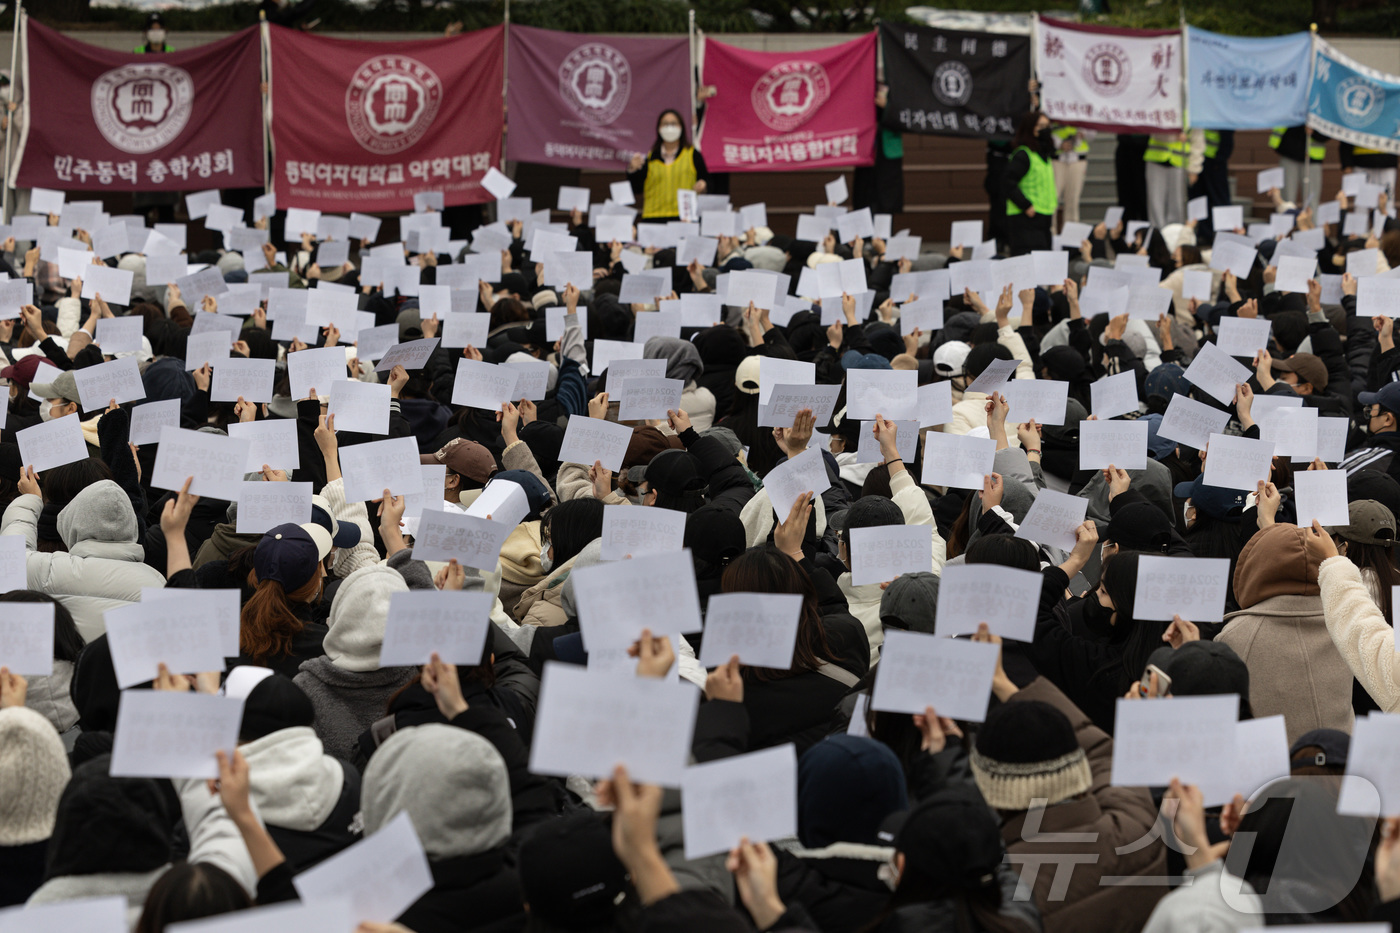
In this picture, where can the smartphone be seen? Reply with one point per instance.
(1164, 683)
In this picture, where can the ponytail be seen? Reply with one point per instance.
(268, 624)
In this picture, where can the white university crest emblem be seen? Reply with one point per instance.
(142, 107)
(1359, 101)
(790, 94)
(391, 102)
(596, 80)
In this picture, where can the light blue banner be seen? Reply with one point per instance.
(1238, 83)
(1353, 103)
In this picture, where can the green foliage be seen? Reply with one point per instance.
(1380, 18)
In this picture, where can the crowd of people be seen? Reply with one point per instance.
(904, 822)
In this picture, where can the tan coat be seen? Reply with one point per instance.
(1281, 635)
(1071, 878)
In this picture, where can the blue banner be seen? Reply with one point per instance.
(1239, 83)
(1353, 103)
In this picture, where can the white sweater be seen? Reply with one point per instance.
(1360, 631)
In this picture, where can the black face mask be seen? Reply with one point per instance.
(1098, 618)
(1046, 140)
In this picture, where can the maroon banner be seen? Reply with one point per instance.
(97, 120)
(776, 111)
(590, 101)
(363, 126)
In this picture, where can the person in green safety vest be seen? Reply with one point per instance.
(1030, 186)
(154, 38)
(1172, 161)
(1297, 145)
(1071, 151)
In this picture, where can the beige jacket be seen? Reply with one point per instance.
(1294, 668)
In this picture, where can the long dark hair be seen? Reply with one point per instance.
(1139, 638)
(1379, 560)
(189, 891)
(683, 142)
(766, 569)
(1025, 133)
(572, 525)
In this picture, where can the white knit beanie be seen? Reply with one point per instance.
(33, 772)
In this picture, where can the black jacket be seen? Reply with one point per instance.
(470, 894)
(340, 830)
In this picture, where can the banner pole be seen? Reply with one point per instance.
(1185, 118)
(10, 117)
(690, 47)
(505, 82)
(265, 106)
(1307, 136)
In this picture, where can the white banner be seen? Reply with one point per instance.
(1116, 80)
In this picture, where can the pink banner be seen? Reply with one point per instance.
(98, 120)
(363, 126)
(775, 111)
(590, 101)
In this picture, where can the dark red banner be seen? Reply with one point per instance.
(98, 120)
(363, 126)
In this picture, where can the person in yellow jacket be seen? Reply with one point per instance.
(1071, 165)
(1173, 162)
(1030, 186)
(672, 165)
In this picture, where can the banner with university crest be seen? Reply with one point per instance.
(953, 83)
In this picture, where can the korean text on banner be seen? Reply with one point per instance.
(98, 120)
(955, 83)
(1105, 78)
(590, 101)
(776, 111)
(1353, 103)
(408, 117)
(1239, 83)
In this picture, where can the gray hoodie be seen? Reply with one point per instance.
(102, 568)
(347, 688)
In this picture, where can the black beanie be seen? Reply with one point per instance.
(275, 703)
(980, 356)
(1027, 750)
(108, 824)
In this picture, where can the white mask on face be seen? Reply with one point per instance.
(156, 37)
(546, 562)
(46, 410)
(670, 132)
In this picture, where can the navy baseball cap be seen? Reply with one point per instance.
(1387, 396)
(1215, 501)
(536, 493)
(288, 554)
(343, 534)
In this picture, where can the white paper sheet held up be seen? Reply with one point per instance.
(761, 628)
(753, 796)
(451, 623)
(165, 734)
(1191, 587)
(918, 670)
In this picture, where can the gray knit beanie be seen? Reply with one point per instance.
(33, 773)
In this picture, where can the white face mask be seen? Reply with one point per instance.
(46, 409)
(670, 132)
(156, 37)
(546, 562)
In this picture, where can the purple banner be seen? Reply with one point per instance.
(590, 101)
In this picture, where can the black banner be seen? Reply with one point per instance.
(953, 83)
